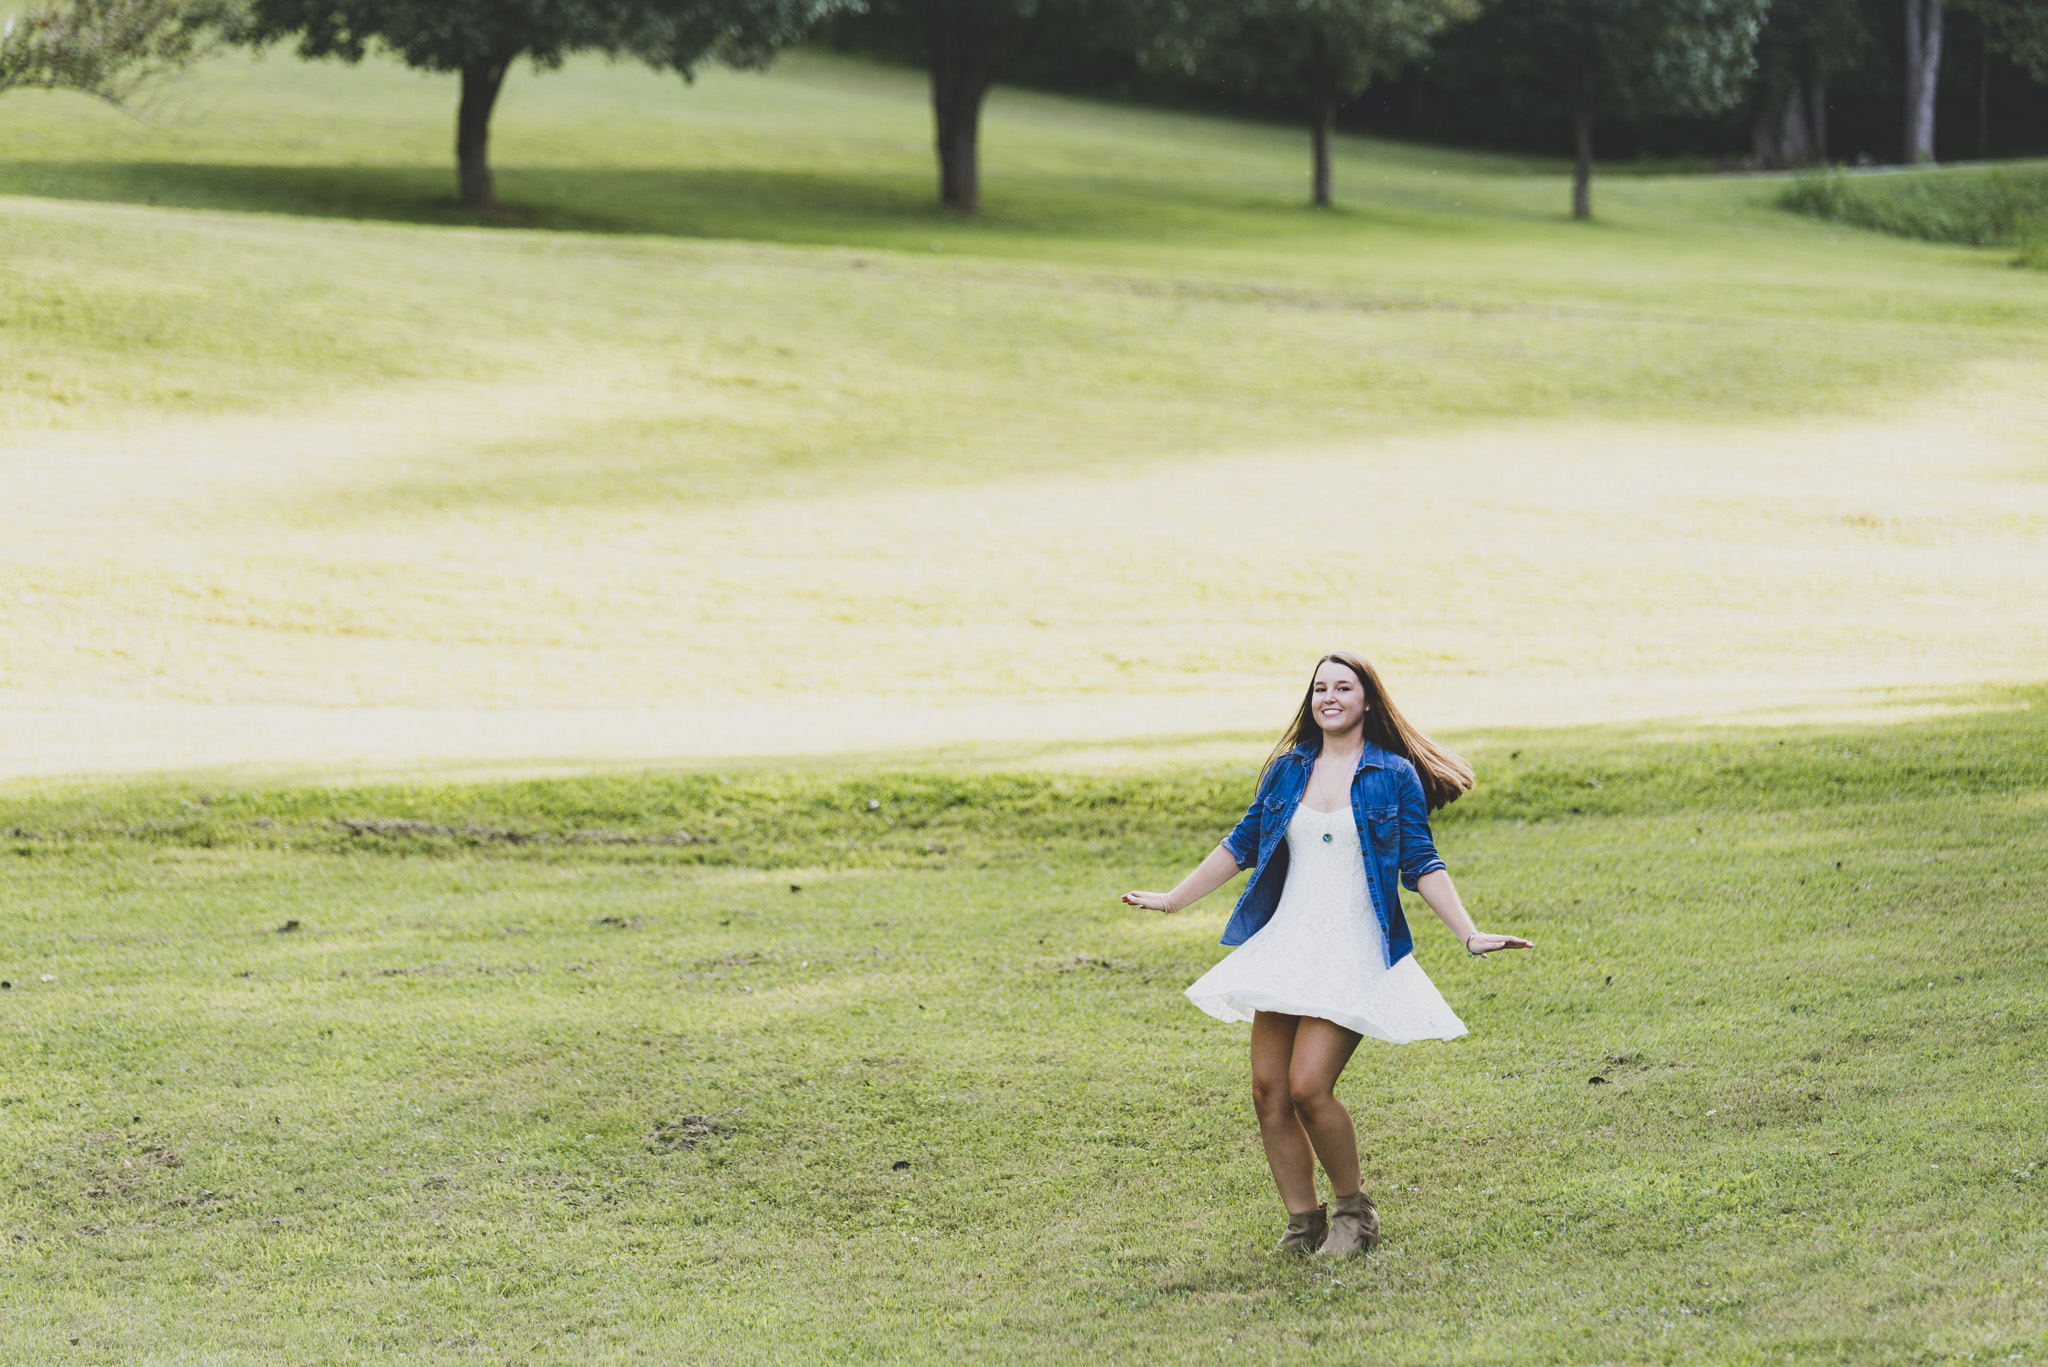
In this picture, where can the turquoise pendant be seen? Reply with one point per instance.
(1326, 837)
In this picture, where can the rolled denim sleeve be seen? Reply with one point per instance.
(1243, 842)
(1418, 850)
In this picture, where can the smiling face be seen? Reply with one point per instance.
(1336, 700)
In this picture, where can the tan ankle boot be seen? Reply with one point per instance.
(1354, 1226)
(1304, 1231)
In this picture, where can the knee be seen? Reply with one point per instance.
(1271, 1099)
(1309, 1098)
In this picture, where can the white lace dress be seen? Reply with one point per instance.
(1323, 952)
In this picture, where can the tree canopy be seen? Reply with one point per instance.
(481, 39)
(109, 49)
(2019, 30)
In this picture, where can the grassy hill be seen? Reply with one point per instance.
(367, 483)
(1690, 297)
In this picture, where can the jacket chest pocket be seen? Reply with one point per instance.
(1271, 830)
(1383, 832)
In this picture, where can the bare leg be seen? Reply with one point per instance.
(1321, 1049)
(1287, 1146)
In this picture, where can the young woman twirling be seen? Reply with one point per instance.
(1323, 954)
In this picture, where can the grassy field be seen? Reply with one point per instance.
(308, 473)
(873, 1066)
(563, 777)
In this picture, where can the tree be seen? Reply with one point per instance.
(2018, 29)
(1923, 66)
(969, 45)
(1626, 57)
(481, 39)
(1322, 52)
(1804, 45)
(109, 49)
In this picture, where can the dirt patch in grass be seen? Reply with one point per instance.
(685, 1133)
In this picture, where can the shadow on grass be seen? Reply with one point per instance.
(694, 204)
(880, 210)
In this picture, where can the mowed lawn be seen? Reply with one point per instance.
(868, 1064)
(307, 469)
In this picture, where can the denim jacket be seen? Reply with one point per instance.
(1393, 834)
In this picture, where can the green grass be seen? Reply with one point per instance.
(443, 1119)
(722, 413)
(1447, 285)
(1975, 207)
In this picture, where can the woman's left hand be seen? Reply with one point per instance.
(1151, 901)
(1479, 942)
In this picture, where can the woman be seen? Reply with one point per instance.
(1323, 953)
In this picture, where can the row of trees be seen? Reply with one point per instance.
(1597, 58)
(1603, 57)
(1827, 79)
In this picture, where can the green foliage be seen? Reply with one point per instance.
(1316, 50)
(1807, 40)
(1772, 1064)
(109, 49)
(448, 35)
(1976, 208)
(997, 40)
(1630, 57)
(2017, 28)
(482, 38)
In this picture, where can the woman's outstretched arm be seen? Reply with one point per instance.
(1212, 873)
(1442, 895)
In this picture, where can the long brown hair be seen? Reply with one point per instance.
(1445, 777)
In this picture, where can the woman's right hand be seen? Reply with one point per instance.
(1151, 901)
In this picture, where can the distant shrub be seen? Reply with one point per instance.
(1971, 208)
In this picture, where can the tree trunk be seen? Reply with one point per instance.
(1984, 99)
(959, 85)
(1325, 124)
(481, 82)
(1795, 139)
(1816, 92)
(1923, 65)
(1582, 163)
(1764, 133)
